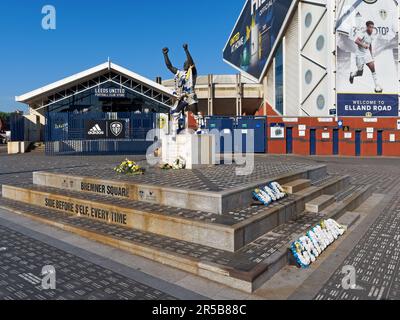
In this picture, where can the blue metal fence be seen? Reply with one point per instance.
(17, 127)
(65, 133)
(226, 126)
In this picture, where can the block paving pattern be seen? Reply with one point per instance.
(22, 259)
(214, 179)
(376, 259)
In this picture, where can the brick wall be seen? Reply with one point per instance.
(324, 128)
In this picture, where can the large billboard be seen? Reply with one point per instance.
(256, 34)
(367, 58)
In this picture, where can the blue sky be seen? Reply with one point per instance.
(130, 32)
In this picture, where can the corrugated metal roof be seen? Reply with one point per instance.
(85, 74)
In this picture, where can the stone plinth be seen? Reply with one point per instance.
(15, 147)
(196, 150)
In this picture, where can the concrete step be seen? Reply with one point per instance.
(349, 219)
(229, 232)
(246, 270)
(296, 185)
(142, 188)
(320, 203)
(36, 147)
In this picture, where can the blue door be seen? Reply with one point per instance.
(260, 135)
(358, 143)
(289, 140)
(380, 143)
(335, 141)
(313, 142)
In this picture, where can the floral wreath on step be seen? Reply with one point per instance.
(309, 247)
(178, 164)
(269, 193)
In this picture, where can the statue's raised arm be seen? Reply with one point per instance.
(168, 63)
(190, 63)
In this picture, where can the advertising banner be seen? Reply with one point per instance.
(256, 34)
(105, 129)
(367, 58)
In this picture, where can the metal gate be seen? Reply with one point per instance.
(66, 133)
(225, 127)
(17, 127)
(258, 124)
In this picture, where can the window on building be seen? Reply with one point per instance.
(279, 79)
(308, 20)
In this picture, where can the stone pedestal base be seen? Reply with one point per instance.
(196, 150)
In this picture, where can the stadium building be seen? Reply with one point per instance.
(227, 95)
(330, 83)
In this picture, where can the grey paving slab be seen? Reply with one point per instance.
(80, 274)
(22, 260)
(215, 178)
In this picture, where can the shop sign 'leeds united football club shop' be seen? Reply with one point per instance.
(110, 92)
(367, 58)
(256, 34)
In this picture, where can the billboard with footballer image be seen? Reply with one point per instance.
(367, 58)
(256, 34)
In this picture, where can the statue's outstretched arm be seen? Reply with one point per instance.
(168, 61)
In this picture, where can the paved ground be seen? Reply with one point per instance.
(22, 259)
(79, 273)
(376, 256)
(375, 259)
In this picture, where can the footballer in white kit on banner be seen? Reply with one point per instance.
(367, 57)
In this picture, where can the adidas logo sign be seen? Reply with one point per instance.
(96, 130)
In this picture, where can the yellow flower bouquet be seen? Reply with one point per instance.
(129, 167)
